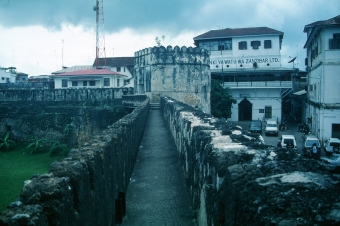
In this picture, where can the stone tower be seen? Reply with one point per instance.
(180, 73)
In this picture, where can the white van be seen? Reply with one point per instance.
(331, 145)
(288, 141)
(271, 128)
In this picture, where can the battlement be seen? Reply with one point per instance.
(170, 55)
(179, 73)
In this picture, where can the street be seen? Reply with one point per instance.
(272, 140)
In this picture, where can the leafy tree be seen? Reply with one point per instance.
(221, 100)
(6, 143)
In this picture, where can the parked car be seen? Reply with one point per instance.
(255, 126)
(331, 145)
(308, 141)
(271, 128)
(331, 162)
(288, 141)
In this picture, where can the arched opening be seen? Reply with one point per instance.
(245, 110)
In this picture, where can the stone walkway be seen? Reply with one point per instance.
(157, 193)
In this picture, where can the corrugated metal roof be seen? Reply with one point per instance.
(74, 68)
(234, 32)
(332, 21)
(90, 72)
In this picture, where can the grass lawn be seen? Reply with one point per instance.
(16, 166)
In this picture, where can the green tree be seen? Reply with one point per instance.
(220, 99)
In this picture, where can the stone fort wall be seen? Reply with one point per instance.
(93, 94)
(88, 187)
(179, 73)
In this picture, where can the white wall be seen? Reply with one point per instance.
(259, 98)
(233, 59)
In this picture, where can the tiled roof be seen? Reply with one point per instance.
(233, 32)
(332, 21)
(116, 61)
(90, 72)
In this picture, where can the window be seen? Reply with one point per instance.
(64, 83)
(335, 42)
(316, 51)
(255, 44)
(267, 111)
(220, 46)
(118, 69)
(84, 83)
(106, 81)
(74, 83)
(92, 83)
(118, 81)
(225, 45)
(242, 45)
(267, 44)
(204, 45)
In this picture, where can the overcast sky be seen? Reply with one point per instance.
(38, 36)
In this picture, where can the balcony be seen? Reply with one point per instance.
(259, 84)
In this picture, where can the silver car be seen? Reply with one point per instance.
(331, 162)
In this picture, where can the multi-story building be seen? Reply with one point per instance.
(323, 77)
(248, 61)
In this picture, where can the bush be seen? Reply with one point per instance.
(6, 143)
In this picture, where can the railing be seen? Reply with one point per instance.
(259, 84)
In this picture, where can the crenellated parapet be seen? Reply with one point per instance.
(181, 73)
(171, 55)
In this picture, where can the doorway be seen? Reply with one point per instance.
(245, 110)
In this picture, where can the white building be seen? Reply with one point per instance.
(121, 66)
(323, 75)
(248, 61)
(7, 75)
(96, 78)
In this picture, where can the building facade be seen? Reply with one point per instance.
(323, 77)
(119, 70)
(248, 61)
(121, 65)
(99, 78)
(8, 75)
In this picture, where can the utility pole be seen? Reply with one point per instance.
(100, 39)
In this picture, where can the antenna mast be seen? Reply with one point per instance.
(100, 39)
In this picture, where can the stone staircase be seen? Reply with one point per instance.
(155, 106)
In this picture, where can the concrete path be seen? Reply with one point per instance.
(156, 194)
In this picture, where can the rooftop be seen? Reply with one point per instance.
(317, 26)
(89, 72)
(236, 32)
